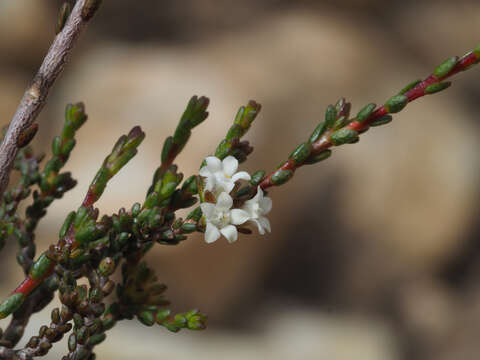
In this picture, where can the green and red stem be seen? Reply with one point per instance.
(123, 151)
(416, 92)
(41, 269)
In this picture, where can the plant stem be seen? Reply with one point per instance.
(416, 92)
(35, 96)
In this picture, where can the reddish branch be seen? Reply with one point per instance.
(35, 96)
(418, 91)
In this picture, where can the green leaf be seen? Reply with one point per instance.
(319, 131)
(301, 153)
(365, 113)
(325, 154)
(40, 267)
(396, 103)
(344, 136)
(437, 87)
(444, 68)
(11, 304)
(409, 87)
(257, 177)
(385, 119)
(330, 116)
(281, 176)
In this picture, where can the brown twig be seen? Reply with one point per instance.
(35, 96)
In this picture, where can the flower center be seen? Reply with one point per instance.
(221, 218)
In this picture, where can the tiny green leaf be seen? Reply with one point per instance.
(301, 153)
(365, 113)
(434, 88)
(188, 228)
(444, 68)
(281, 176)
(11, 304)
(330, 116)
(319, 131)
(40, 267)
(257, 177)
(409, 87)
(396, 103)
(66, 224)
(167, 146)
(344, 136)
(325, 154)
(146, 318)
(382, 121)
(96, 339)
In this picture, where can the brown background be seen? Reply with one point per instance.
(373, 253)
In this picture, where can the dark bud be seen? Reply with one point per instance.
(72, 342)
(90, 8)
(27, 135)
(56, 315)
(63, 15)
(33, 342)
(243, 230)
(42, 330)
(107, 266)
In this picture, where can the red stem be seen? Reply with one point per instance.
(30, 284)
(89, 199)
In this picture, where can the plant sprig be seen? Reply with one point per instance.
(339, 129)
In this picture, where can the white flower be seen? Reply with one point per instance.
(221, 175)
(221, 219)
(256, 208)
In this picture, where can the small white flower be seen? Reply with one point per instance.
(257, 207)
(221, 175)
(221, 219)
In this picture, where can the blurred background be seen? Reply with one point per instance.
(374, 254)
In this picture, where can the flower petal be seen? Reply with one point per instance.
(238, 216)
(265, 205)
(259, 194)
(207, 209)
(224, 201)
(214, 164)
(242, 175)
(230, 165)
(211, 233)
(264, 223)
(230, 233)
(204, 171)
(261, 230)
(227, 185)
(210, 183)
(248, 206)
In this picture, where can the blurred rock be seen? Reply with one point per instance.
(447, 28)
(26, 30)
